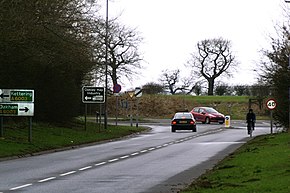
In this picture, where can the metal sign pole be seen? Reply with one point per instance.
(117, 109)
(30, 130)
(131, 116)
(271, 114)
(137, 115)
(86, 111)
(1, 127)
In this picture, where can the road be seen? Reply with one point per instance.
(153, 162)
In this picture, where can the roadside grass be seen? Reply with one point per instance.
(49, 137)
(262, 165)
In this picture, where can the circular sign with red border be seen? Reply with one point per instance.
(117, 88)
(271, 104)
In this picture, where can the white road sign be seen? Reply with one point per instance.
(271, 104)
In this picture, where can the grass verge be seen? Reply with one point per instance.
(262, 165)
(48, 137)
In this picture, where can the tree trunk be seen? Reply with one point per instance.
(210, 87)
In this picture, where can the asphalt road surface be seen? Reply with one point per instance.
(154, 162)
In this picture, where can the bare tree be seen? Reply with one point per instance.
(171, 81)
(123, 54)
(212, 59)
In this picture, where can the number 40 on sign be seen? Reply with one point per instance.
(271, 104)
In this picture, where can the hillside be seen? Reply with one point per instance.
(164, 106)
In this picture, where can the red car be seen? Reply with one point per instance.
(207, 115)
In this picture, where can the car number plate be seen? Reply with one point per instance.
(182, 121)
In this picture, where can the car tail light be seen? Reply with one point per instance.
(192, 122)
(173, 122)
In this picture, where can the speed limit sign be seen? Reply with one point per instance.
(271, 104)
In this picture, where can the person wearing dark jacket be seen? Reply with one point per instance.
(251, 119)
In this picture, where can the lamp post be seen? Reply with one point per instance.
(106, 67)
(287, 1)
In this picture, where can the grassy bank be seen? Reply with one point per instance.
(48, 137)
(164, 106)
(262, 165)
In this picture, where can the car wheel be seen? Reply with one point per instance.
(207, 120)
(173, 130)
(194, 129)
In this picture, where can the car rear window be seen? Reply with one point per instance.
(183, 115)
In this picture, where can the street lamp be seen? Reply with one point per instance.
(106, 67)
(288, 87)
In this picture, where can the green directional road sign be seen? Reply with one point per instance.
(21, 95)
(8, 109)
(16, 95)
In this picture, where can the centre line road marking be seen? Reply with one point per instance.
(68, 173)
(152, 148)
(46, 179)
(124, 157)
(101, 163)
(143, 151)
(136, 153)
(85, 168)
(19, 187)
(113, 160)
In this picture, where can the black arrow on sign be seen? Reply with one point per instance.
(25, 109)
(3, 95)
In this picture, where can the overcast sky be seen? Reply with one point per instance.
(172, 28)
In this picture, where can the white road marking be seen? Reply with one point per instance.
(46, 179)
(152, 148)
(85, 168)
(68, 173)
(101, 163)
(113, 160)
(124, 157)
(19, 187)
(143, 151)
(136, 153)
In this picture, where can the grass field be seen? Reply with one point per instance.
(260, 166)
(48, 137)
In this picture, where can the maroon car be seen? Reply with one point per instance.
(207, 115)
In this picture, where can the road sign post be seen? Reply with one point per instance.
(116, 89)
(17, 102)
(271, 105)
(138, 94)
(1, 127)
(93, 95)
